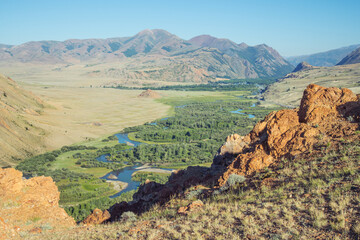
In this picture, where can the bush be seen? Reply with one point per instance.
(233, 180)
(194, 194)
(128, 216)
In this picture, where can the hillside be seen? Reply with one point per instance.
(352, 58)
(302, 66)
(63, 116)
(287, 91)
(19, 137)
(147, 57)
(323, 59)
(295, 175)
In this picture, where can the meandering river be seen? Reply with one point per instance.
(125, 175)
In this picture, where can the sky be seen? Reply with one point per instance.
(292, 27)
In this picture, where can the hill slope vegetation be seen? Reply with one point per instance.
(19, 137)
(288, 91)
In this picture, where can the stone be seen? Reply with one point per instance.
(28, 203)
(97, 217)
(191, 207)
(323, 115)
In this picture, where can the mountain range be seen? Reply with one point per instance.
(352, 58)
(159, 55)
(323, 59)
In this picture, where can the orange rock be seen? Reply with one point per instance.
(97, 217)
(190, 207)
(35, 230)
(30, 202)
(286, 133)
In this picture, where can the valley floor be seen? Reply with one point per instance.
(313, 197)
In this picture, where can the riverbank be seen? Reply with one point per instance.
(118, 185)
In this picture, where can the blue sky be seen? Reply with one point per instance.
(293, 27)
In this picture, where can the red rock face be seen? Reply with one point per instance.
(30, 204)
(324, 113)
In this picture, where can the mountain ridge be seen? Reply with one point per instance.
(159, 55)
(323, 59)
(351, 58)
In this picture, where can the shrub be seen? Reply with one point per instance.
(235, 179)
(194, 194)
(128, 216)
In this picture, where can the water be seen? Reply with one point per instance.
(103, 158)
(123, 138)
(124, 175)
(182, 106)
(163, 119)
(239, 111)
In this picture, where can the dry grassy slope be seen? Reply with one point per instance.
(314, 197)
(18, 136)
(289, 90)
(71, 114)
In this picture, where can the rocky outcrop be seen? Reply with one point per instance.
(28, 204)
(325, 114)
(302, 66)
(96, 217)
(149, 94)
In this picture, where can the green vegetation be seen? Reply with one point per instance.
(251, 85)
(296, 199)
(152, 176)
(191, 136)
(195, 132)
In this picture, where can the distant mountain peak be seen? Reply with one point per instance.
(210, 41)
(303, 66)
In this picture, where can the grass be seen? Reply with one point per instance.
(289, 91)
(308, 198)
(178, 98)
(65, 160)
(82, 191)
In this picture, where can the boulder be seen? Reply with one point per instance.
(325, 114)
(27, 204)
(97, 216)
